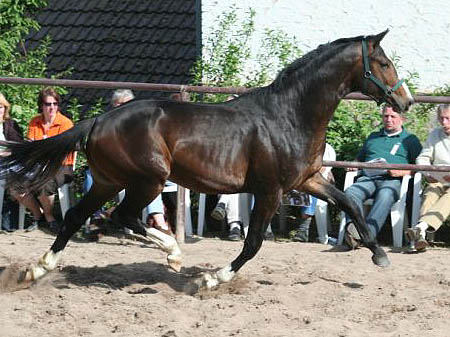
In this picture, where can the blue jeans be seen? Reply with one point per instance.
(384, 190)
(311, 209)
(156, 206)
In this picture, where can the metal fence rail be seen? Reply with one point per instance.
(420, 98)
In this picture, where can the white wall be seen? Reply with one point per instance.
(419, 30)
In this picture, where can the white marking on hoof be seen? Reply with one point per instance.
(168, 244)
(46, 263)
(210, 280)
(224, 275)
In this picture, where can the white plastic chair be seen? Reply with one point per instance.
(399, 216)
(323, 222)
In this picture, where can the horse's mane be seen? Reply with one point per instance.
(306, 66)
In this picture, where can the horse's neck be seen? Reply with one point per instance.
(316, 94)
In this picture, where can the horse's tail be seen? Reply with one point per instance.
(32, 163)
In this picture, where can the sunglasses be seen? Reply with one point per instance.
(50, 104)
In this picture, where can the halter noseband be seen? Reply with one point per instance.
(369, 76)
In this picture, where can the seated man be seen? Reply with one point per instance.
(393, 145)
(236, 208)
(436, 196)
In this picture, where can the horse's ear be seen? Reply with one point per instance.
(377, 38)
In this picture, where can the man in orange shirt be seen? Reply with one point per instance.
(50, 122)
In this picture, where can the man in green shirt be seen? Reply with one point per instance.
(393, 145)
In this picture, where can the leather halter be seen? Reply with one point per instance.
(371, 77)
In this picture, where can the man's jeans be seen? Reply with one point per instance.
(384, 190)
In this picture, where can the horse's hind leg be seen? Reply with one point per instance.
(263, 211)
(127, 214)
(322, 189)
(73, 220)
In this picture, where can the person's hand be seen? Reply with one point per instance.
(398, 173)
(447, 178)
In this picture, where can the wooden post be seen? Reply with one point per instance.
(181, 201)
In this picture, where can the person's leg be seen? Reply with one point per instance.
(87, 181)
(307, 212)
(429, 216)
(156, 215)
(435, 207)
(220, 211)
(364, 188)
(47, 202)
(233, 215)
(386, 195)
(29, 201)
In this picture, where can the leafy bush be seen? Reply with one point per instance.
(228, 60)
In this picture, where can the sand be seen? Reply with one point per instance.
(122, 287)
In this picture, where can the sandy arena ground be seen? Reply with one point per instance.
(122, 287)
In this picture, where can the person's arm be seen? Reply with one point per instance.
(414, 148)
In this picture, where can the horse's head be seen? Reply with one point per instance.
(379, 78)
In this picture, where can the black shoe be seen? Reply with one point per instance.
(219, 212)
(351, 236)
(33, 226)
(53, 226)
(235, 234)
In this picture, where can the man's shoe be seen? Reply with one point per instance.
(53, 226)
(351, 236)
(420, 243)
(235, 234)
(219, 212)
(300, 236)
(33, 226)
(269, 236)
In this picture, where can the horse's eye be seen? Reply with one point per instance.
(384, 65)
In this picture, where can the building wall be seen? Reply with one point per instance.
(419, 30)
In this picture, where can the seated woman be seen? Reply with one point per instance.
(10, 130)
(49, 123)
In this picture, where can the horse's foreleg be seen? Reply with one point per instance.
(126, 214)
(73, 220)
(263, 211)
(168, 244)
(322, 189)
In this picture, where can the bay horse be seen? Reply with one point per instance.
(266, 142)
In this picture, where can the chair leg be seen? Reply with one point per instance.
(397, 220)
(2, 195)
(187, 214)
(322, 221)
(201, 214)
(21, 217)
(64, 199)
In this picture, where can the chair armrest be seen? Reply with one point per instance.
(350, 178)
(404, 186)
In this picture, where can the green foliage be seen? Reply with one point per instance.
(228, 60)
(16, 61)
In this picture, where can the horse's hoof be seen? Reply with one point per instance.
(381, 260)
(25, 276)
(175, 262)
(210, 281)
